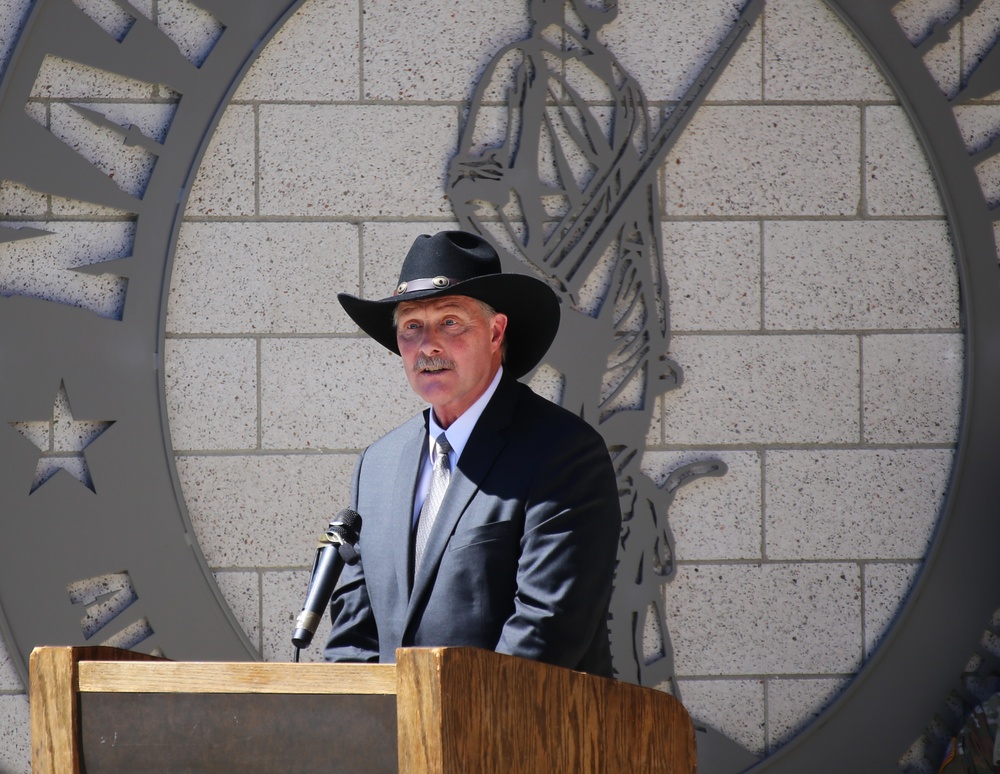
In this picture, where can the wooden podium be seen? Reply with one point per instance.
(437, 710)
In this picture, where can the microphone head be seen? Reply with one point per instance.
(349, 519)
(345, 527)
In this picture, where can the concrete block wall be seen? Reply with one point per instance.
(812, 291)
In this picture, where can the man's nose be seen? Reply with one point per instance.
(430, 340)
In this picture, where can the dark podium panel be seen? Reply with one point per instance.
(171, 732)
(438, 710)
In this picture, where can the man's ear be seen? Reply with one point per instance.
(498, 329)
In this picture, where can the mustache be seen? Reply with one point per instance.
(427, 363)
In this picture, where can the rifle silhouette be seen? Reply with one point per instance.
(582, 242)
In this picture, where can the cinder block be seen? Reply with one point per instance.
(766, 161)
(859, 275)
(335, 394)
(263, 278)
(60, 78)
(852, 503)
(19, 201)
(743, 79)
(886, 585)
(211, 391)
(810, 55)
(273, 523)
(352, 160)
(764, 389)
(193, 29)
(129, 165)
(732, 707)
(978, 126)
(713, 275)
(756, 619)
(15, 741)
(978, 36)
(713, 519)
(226, 181)
(898, 179)
(12, 17)
(435, 51)
(794, 704)
(314, 56)
(242, 593)
(912, 387)
(9, 680)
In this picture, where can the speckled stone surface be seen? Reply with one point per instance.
(713, 275)
(433, 52)
(714, 519)
(859, 275)
(913, 387)
(733, 707)
(212, 396)
(38, 267)
(810, 56)
(354, 160)
(226, 184)
(764, 389)
(860, 505)
(793, 704)
(759, 160)
(314, 56)
(765, 618)
(330, 393)
(664, 50)
(277, 278)
(897, 178)
(276, 522)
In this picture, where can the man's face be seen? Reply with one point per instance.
(451, 351)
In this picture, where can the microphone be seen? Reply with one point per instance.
(336, 548)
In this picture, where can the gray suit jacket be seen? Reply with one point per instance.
(521, 559)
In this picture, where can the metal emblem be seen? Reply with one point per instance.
(126, 569)
(133, 574)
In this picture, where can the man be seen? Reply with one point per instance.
(520, 556)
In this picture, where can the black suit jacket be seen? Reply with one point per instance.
(521, 558)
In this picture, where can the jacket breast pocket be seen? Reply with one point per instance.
(485, 533)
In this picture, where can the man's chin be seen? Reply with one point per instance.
(428, 384)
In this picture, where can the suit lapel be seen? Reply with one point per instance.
(485, 443)
(411, 450)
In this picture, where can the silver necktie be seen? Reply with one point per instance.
(440, 476)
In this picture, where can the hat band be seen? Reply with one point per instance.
(425, 283)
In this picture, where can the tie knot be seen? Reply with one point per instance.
(441, 446)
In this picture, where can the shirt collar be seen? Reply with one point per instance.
(459, 431)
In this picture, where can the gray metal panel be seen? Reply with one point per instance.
(124, 529)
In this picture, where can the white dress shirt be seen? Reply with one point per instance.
(458, 436)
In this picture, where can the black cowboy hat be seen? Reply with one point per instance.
(457, 263)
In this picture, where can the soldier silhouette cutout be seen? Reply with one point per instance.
(554, 166)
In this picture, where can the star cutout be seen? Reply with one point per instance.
(63, 441)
